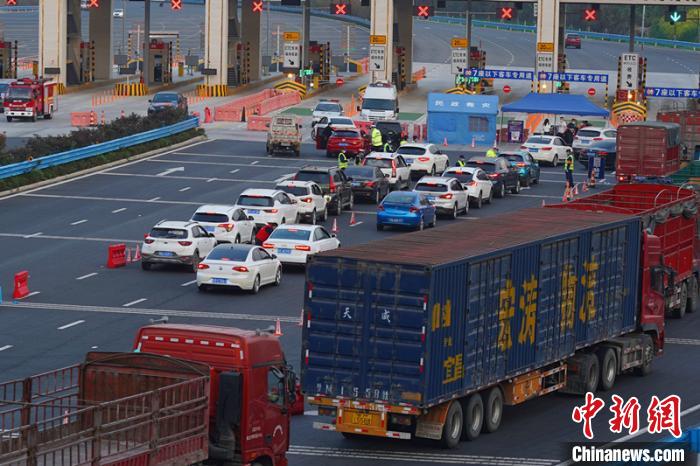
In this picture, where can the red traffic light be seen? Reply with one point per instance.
(257, 6)
(590, 14)
(340, 9)
(422, 11)
(11, 3)
(507, 13)
(94, 4)
(176, 4)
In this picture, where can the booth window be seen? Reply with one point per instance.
(478, 124)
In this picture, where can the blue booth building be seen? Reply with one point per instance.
(462, 119)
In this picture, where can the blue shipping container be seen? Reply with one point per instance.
(422, 317)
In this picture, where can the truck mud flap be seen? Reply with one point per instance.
(430, 425)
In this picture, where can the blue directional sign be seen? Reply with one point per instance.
(574, 77)
(499, 74)
(672, 92)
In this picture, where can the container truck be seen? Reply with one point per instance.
(185, 395)
(647, 150)
(411, 338)
(671, 213)
(689, 121)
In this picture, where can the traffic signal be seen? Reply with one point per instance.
(422, 11)
(591, 14)
(257, 6)
(341, 9)
(11, 3)
(176, 5)
(94, 4)
(506, 13)
(674, 15)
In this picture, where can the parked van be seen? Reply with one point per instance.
(380, 102)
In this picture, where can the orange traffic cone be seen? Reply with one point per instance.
(353, 221)
(334, 229)
(122, 114)
(585, 187)
(301, 319)
(576, 189)
(278, 328)
(103, 117)
(543, 204)
(444, 142)
(137, 254)
(128, 255)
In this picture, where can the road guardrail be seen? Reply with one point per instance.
(20, 168)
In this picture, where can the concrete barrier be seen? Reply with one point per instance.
(243, 107)
(258, 123)
(280, 101)
(80, 119)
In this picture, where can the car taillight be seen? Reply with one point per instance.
(423, 159)
(547, 148)
(240, 268)
(226, 226)
(446, 196)
(603, 153)
(380, 207)
(597, 139)
(307, 199)
(272, 211)
(202, 266)
(185, 243)
(268, 245)
(331, 185)
(523, 147)
(413, 209)
(493, 175)
(520, 164)
(302, 247)
(148, 240)
(368, 184)
(393, 168)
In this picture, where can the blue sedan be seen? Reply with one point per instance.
(405, 209)
(527, 166)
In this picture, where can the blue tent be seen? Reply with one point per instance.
(557, 104)
(462, 119)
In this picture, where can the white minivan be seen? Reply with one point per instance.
(380, 102)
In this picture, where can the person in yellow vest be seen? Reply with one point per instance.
(492, 152)
(342, 160)
(387, 147)
(460, 161)
(376, 137)
(569, 174)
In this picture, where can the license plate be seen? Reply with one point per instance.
(165, 253)
(284, 250)
(408, 161)
(584, 142)
(210, 229)
(343, 144)
(363, 419)
(253, 211)
(533, 149)
(395, 220)
(219, 281)
(356, 184)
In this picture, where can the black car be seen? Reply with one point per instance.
(335, 185)
(504, 177)
(368, 182)
(163, 100)
(391, 132)
(606, 149)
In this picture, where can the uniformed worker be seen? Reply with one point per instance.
(569, 174)
(387, 147)
(342, 160)
(492, 152)
(460, 161)
(376, 136)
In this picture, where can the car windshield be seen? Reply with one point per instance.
(168, 233)
(487, 167)
(318, 177)
(513, 157)
(537, 140)
(228, 253)
(588, 133)
(210, 217)
(20, 93)
(360, 173)
(327, 107)
(381, 163)
(295, 190)
(573, 36)
(400, 198)
(341, 121)
(462, 177)
(345, 134)
(408, 150)
(255, 201)
(291, 233)
(161, 98)
(378, 104)
(431, 187)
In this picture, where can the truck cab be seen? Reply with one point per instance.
(252, 387)
(31, 98)
(380, 102)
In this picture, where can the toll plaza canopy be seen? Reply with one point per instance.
(557, 104)
(462, 119)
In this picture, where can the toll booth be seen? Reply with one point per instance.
(87, 62)
(399, 76)
(161, 60)
(8, 59)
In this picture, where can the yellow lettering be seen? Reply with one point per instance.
(447, 314)
(589, 280)
(436, 316)
(528, 306)
(506, 311)
(568, 298)
(454, 369)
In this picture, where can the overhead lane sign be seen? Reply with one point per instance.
(499, 74)
(291, 55)
(672, 92)
(573, 77)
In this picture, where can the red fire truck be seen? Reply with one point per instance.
(31, 98)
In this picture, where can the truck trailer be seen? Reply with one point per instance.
(187, 394)
(689, 121)
(430, 336)
(647, 150)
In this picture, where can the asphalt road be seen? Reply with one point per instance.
(60, 234)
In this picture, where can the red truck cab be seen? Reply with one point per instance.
(252, 387)
(31, 98)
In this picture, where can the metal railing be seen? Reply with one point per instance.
(20, 168)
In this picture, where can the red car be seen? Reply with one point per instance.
(572, 40)
(351, 141)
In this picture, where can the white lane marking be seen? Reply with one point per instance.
(141, 175)
(6, 347)
(151, 312)
(33, 293)
(683, 341)
(116, 211)
(229, 164)
(95, 198)
(33, 235)
(236, 170)
(87, 276)
(357, 223)
(72, 324)
(171, 170)
(140, 300)
(284, 177)
(71, 238)
(255, 162)
(79, 222)
(189, 283)
(186, 188)
(240, 157)
(211, 179)
(154, 199)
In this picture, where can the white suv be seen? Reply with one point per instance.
(586, 135)
(424, 159)
(169, 242)
(269, 206)
(393, 166)
(310, 199)
(229, 224)
(447, 194)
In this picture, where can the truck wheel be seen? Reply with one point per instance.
(591, 379)
(645, 368)
(493, 410)
(9, 119)
(473, 417)
(47, 116)
(679, 312)
(607, 359)
(452, 430)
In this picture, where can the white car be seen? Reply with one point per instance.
(550, 149)
(172, 242)
(268, 206)
(476, 181)
(311, 202)
(118, 13)
(295, 243)
(335, 122)
(229, 224)
(328, 109)
(241, 266)
(586, 135)
(447, 194)
(392, 165)
(424, 159)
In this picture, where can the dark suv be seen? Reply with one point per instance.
(504, 177)
(391, 132)
(335, 185)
